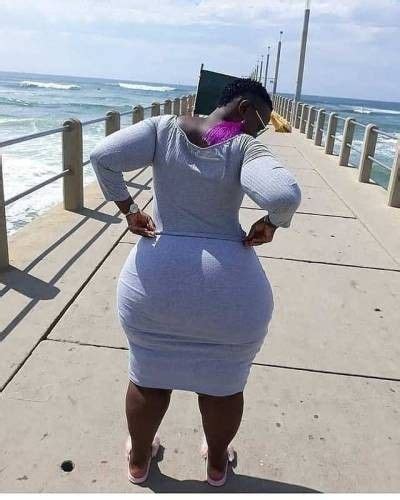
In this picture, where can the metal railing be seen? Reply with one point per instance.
(311, 121)
(72, 156)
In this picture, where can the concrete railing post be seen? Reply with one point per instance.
(72, 160)
(319, 127)
(368, 149)
(4, 257)
(155, 109)
(345, 149)
(190, 104)
(176, 106)
(137, 114)
(303, 118)
(167, 107)
(184, 105)
(297, 114)
(312, 113)
(290, 111)
(113, 122)
(394, 182)
(285, 109)
(330, 133)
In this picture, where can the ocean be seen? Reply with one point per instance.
(31, 103)
(385, 115)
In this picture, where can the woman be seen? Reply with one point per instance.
(193, 298)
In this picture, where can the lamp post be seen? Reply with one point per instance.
(261, 69)
(278, 57)
(302, 51)
(266, 68)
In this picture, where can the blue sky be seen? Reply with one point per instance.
(353, 46)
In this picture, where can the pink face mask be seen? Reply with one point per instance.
(223, 131)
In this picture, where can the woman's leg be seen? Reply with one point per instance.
(221, 417)
(145, 409)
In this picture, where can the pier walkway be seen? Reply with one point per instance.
(322, 405)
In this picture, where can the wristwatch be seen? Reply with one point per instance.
(133, 209)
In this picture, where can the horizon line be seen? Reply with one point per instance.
(194, 86)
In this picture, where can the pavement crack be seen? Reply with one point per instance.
(328, 372)
(87, 344)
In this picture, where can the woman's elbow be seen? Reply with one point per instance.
(286, 206)
(95, 155)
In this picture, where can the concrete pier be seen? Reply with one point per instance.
(322, 405)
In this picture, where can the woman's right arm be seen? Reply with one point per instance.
(128, 149)
(269, 184)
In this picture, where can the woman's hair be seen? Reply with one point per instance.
(244, 87)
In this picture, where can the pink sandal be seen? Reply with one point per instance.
(154, 450)
(204, 454)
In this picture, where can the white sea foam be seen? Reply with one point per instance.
(49, 85)
(369, 111)
(137, 86)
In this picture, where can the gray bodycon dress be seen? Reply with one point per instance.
(194, 302)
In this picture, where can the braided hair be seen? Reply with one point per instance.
(243, 87)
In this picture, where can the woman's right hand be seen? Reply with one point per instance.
(260, 232)
(141, 223)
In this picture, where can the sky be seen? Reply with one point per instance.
(353, 45)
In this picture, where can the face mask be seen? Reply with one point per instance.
(223, 131)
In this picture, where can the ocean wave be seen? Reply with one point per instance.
(373, 111)
(48, 85)
(10, 101)
(137, 86)
(6, 120)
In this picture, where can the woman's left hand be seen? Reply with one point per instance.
(141, 223)
(260, 232)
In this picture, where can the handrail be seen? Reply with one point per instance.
(381, 132)
(73, 163)
(24, 138)
(35, 188)
(294, 112)
(95, 120)
(378, 162)
(353, 147)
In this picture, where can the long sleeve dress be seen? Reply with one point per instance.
(194, 302)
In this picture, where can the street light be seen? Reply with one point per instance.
(266, 68)
(302, 51)
(278, 57)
